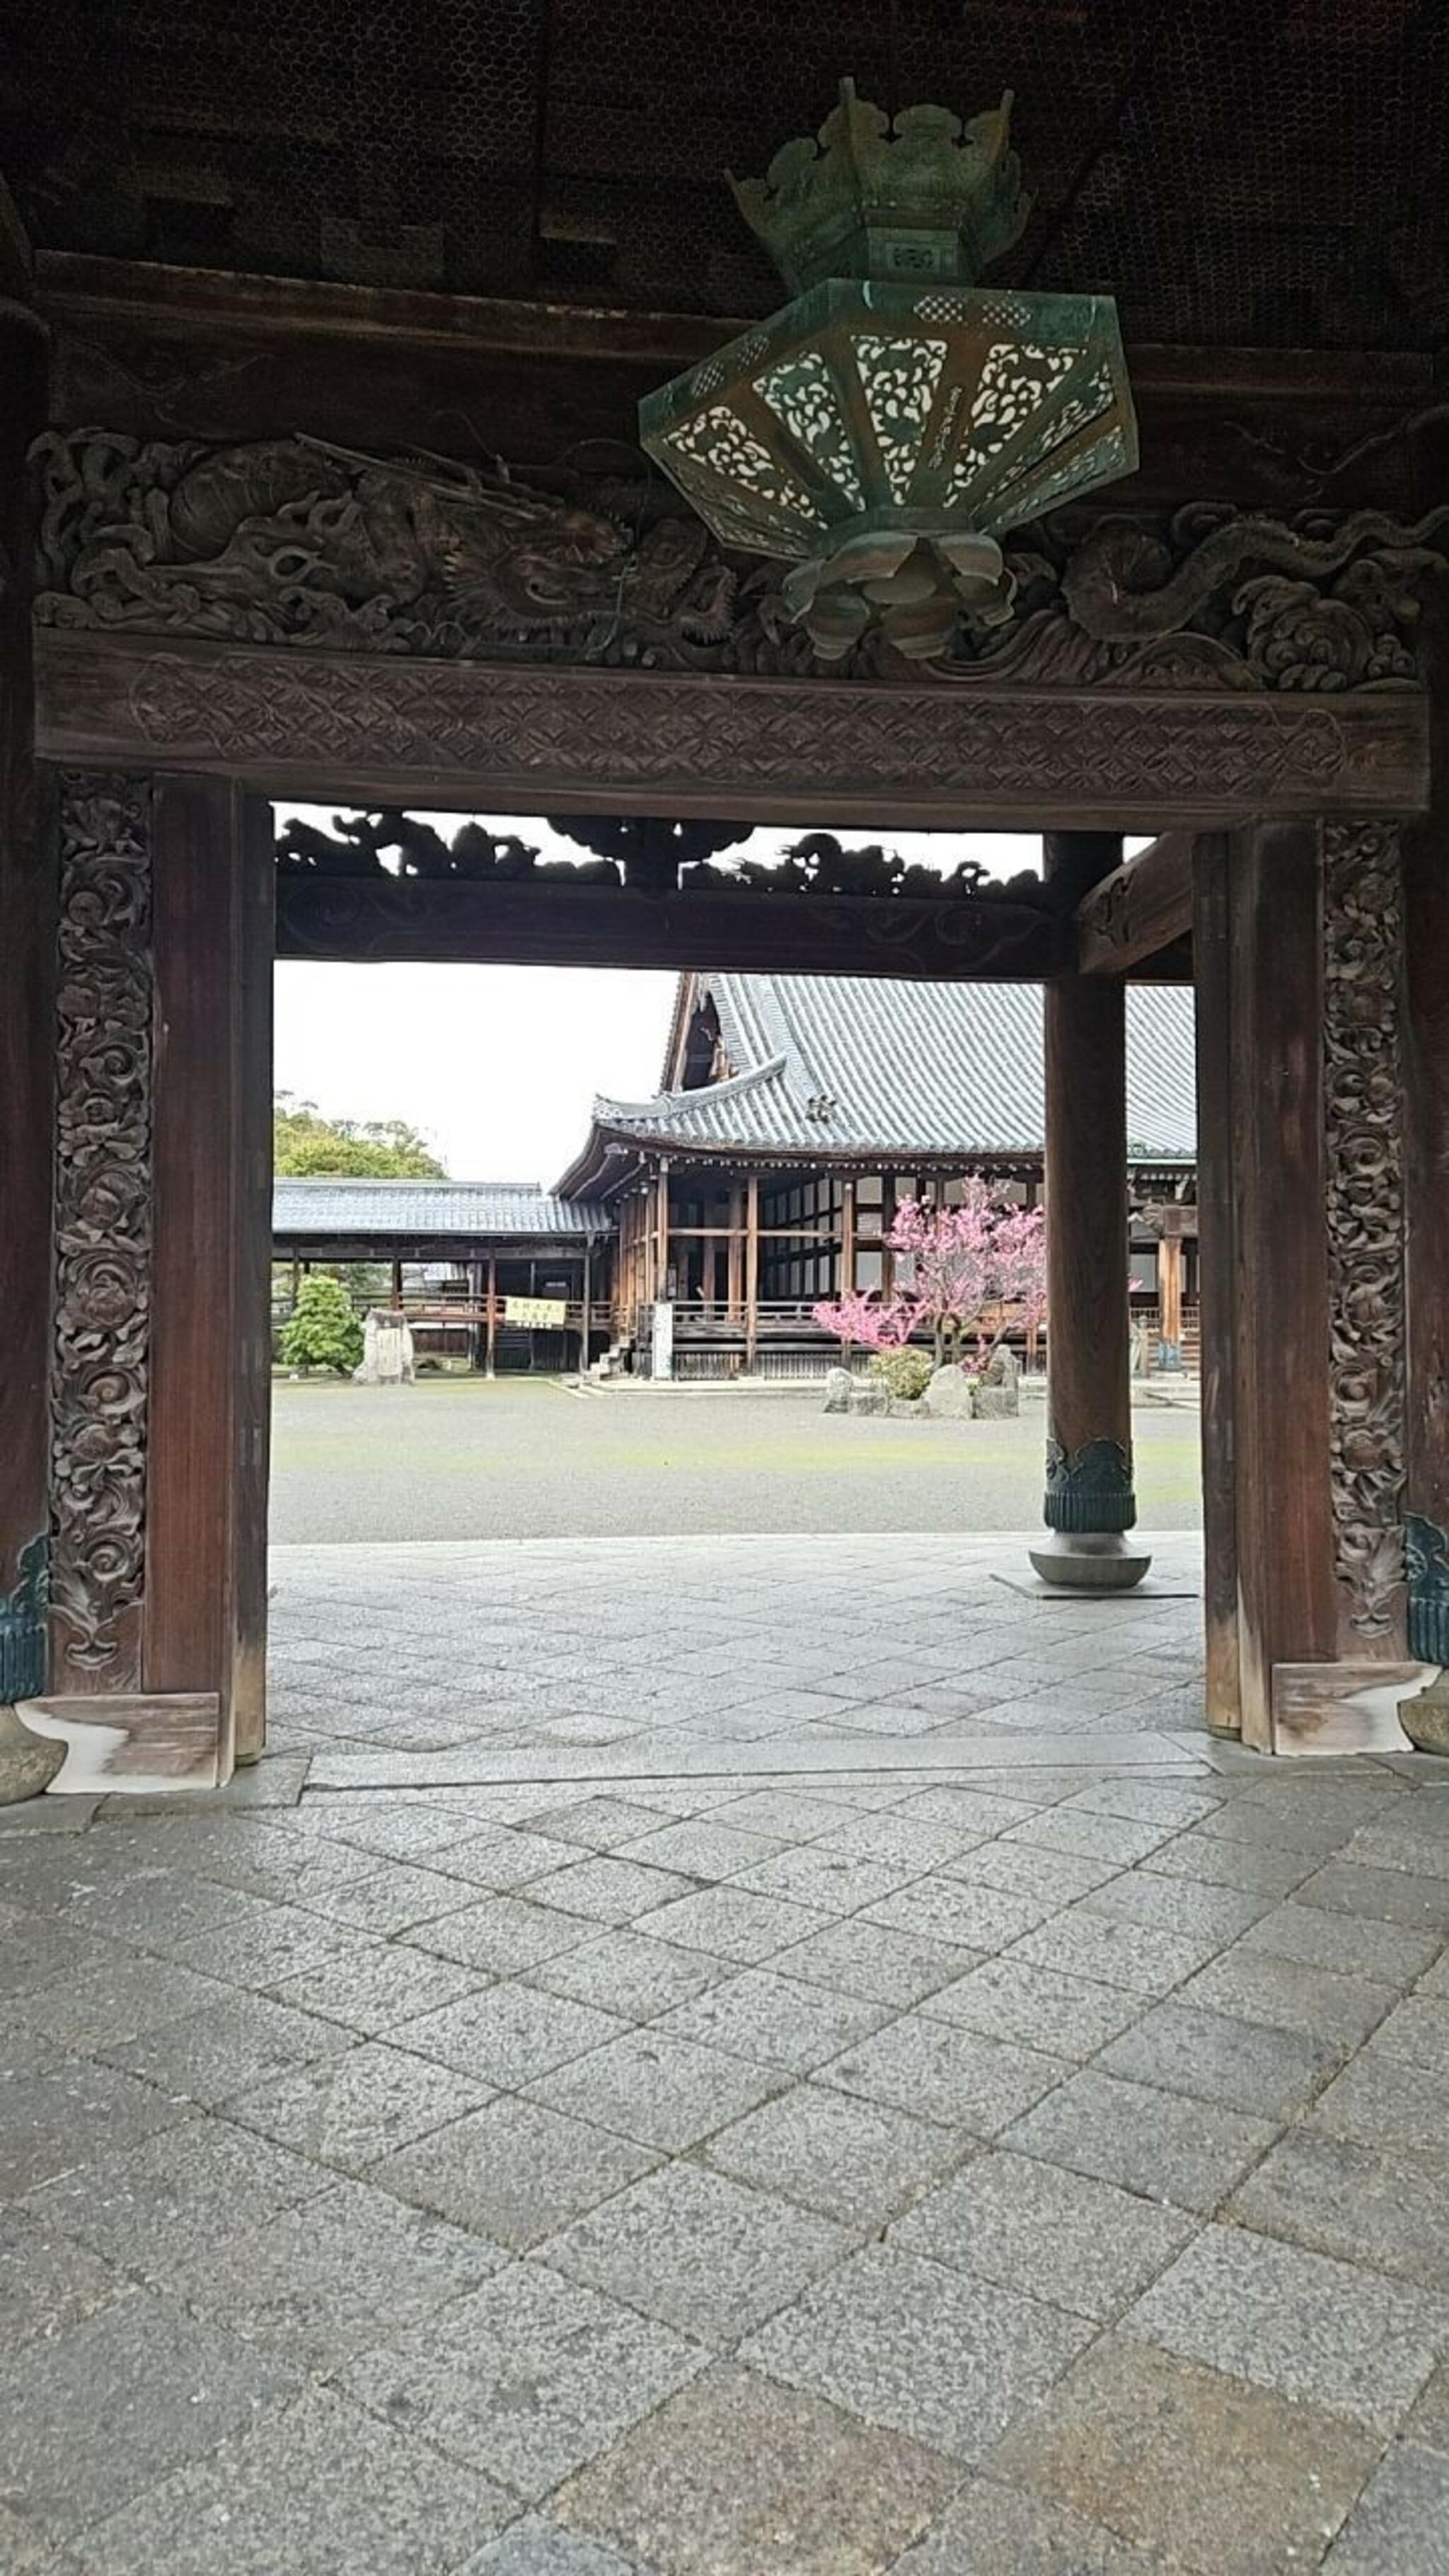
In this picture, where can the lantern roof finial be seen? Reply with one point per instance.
(919, 196)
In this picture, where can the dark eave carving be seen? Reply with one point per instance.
(650, 854)
(822, 907)
(289, 542)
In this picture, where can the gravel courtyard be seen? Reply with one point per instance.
(456, 1458)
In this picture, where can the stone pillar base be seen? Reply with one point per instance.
(1091, 1560)
(1425, 1720)
(28, 1763)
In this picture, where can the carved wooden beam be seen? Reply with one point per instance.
(516, 738)
(377, 918)
(1142, 907)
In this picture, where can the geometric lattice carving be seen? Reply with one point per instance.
(611, 732)
(1362, 1079)
(102, 1228)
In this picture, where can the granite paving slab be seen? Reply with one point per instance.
(704, 2253)
(152, 2387)
(858, 2162)
(1160, 2144)
(319, 2283)
(1248, 2066)
(1363, 2203)
(1301, 2323)
(736, 2473)
(1061, 2237)
(856, 2340)
(1206, 2473)
(994, 2530)
(311, 2489)
(513, 2171)
(533, 2371)
(1401, 2520)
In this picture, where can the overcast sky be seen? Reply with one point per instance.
(498, 1065)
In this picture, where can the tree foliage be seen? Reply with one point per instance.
(959, 1270)
(307, 1146)
(322, 1330)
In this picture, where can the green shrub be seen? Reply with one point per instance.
(322, 1330)
(904, 1374)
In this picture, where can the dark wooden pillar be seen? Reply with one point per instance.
(752, 1271)
(27, 1048)
(210, 1377)
(736, 1291)
(1302, 1172)
(491, 1356)
(1089, 1495)
(1217, 1276)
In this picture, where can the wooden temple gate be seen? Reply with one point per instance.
(184, 674)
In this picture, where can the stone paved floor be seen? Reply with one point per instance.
(956, 2119)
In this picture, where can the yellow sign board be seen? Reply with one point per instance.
(534, 1310)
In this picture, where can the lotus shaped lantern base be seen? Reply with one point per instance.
(914, 584)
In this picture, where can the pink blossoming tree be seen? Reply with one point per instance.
(956, 1268)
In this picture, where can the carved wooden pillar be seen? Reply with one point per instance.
(1426, 1189)
(1089, 1501)
(1304, 1318)
(27, 901)
(160, 1387)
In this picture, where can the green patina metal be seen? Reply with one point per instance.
(882, 430)
(23, 1625)
(1091, 1489)
(1426, 1564)
(925, 197)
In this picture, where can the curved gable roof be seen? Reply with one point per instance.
(841, 1064)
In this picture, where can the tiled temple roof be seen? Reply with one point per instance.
(841, 1065)
(318, 1208)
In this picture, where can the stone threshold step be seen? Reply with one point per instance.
(1138, 1751)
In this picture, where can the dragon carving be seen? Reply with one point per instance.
(296, 542)
(293, 541)
(1216, 600)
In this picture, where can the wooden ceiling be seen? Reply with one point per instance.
(1236, 171)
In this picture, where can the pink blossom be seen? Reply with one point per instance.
(970, 1269)
(858, 1316)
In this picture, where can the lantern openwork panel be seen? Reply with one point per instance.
(863, 401)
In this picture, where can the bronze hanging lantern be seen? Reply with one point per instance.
(882, 430)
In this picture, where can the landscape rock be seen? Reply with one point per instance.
(948, 1397)
(838, 1386)
(998, 1395)
(869, 1399)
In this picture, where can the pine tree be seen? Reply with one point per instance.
(322, 1330)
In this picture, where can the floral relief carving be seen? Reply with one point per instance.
(1363, 929)
(103, 1228)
